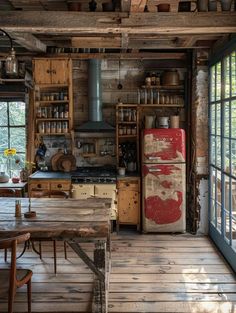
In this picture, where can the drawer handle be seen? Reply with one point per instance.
(59, 185)
(127, 184)
(39, 186)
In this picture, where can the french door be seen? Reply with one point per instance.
(222, 156)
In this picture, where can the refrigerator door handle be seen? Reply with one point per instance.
(154, 170)
(152, 158)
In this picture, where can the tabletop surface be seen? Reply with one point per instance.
(56, 218)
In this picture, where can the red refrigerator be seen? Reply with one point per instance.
(164, 180)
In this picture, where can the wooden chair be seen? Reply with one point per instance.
(38, 193)
(7, 192)
(13, 278)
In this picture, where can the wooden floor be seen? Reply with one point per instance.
(150, 273)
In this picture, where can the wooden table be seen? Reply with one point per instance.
(72, 220)
(18, 187)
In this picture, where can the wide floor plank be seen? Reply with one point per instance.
(150, 273)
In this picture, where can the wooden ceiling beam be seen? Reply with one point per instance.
(106, 23)
(96, 42)
(29, 41)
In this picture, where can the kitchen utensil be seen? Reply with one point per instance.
(186, 6)
(170, 78)
(163, 122)
(54, 160)
(149, 121)
(163, 7)
(212, 5)
(121, 171)
(226, 5)
(174, 121)
(66, 163)
(202, 5)
(119, 86)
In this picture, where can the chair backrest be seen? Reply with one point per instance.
(12, 243)
(7, 192)
(38, 193)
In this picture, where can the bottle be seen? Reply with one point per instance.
(17, 208)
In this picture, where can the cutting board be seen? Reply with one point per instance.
(54, 160)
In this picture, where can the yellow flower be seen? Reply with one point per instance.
(8, 152)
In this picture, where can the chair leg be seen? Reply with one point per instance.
(5, 255)
(55, 255)
(65, 250)
(40, 250)
(29, 295)
(11, 297)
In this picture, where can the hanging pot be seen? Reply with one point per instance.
(170, 78)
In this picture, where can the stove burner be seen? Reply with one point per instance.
(99, 175)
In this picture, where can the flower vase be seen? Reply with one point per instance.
(24, 173)
(4, 178)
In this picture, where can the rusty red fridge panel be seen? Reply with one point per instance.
(164, 197)
(164, 145)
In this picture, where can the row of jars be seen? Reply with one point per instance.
(61, 111)
(54, 96)
(127, 130)
(53, 127)
(127, 115)
(152, 96)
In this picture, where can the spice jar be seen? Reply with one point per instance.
(17, 208)
(58, 127)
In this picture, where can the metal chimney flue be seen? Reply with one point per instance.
(95, 123)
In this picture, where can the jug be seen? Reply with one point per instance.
(174, 121)
(150, 121)
(163, 122)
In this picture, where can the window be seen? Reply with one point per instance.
(12, 132)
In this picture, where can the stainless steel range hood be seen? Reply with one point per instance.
(95, 123)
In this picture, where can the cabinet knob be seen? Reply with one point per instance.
(127, 184)
(39, 186)
(48, 71)
(53, 71)
(59, 185)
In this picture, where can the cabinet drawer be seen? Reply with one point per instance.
(129, 184)
(82, 191)
(128, 207)
(39, 185)
(60, 186)
(105, 191)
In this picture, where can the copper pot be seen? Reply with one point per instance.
(170, 78)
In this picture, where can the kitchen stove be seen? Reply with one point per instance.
(94, 175)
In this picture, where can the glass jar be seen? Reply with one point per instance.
(58, 127)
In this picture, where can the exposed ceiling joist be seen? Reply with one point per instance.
(29, 41)
(138, 23)
(96, 42)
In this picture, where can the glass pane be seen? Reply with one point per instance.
(227, 227)
(218, 119)
(233, 199)
(227, 194)
(233, 74)
(213, 212)
(226, 119)
(233, 119)
(233, 156)
(218, 151)
(218, 199)
(234, 235)
(213, 77)
(213, 184)
(226, 152)
(213, 116)
(3, 116)
(227, 77)
(213, 150)
(3, 139)
(17, 113)
(218, 81)
(17, 138)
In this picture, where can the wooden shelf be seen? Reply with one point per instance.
(52, 134)
(54, 101)
(51, 119)
(12, 80)
(128, 123)
(51, 85)
(161, 105)
(160, 87)
(127, 136)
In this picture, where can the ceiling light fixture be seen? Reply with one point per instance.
(11, 64)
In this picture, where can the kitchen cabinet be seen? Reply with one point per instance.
(127, 136)
(52, 109)
(49, 185)
(51, 71)
(128, 201)
(85, 191)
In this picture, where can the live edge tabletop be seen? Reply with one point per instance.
(72, 220)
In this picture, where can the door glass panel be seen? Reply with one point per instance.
(233, 156)
(233, 74)
(213, 116)
(233, 119)
(218, 151)
(213, 212)
(227, 194)
(233, 197)
(218, 81)
(234, 234)
(218, 119)
(226, 119)
(213, 81)
(227, 77)
(227, 227)
(218, 199)
(3, 110)
(226, 155)
(213, 150)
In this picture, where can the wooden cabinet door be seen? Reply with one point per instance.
(128, 206)
(42, 71)
(59, 71)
